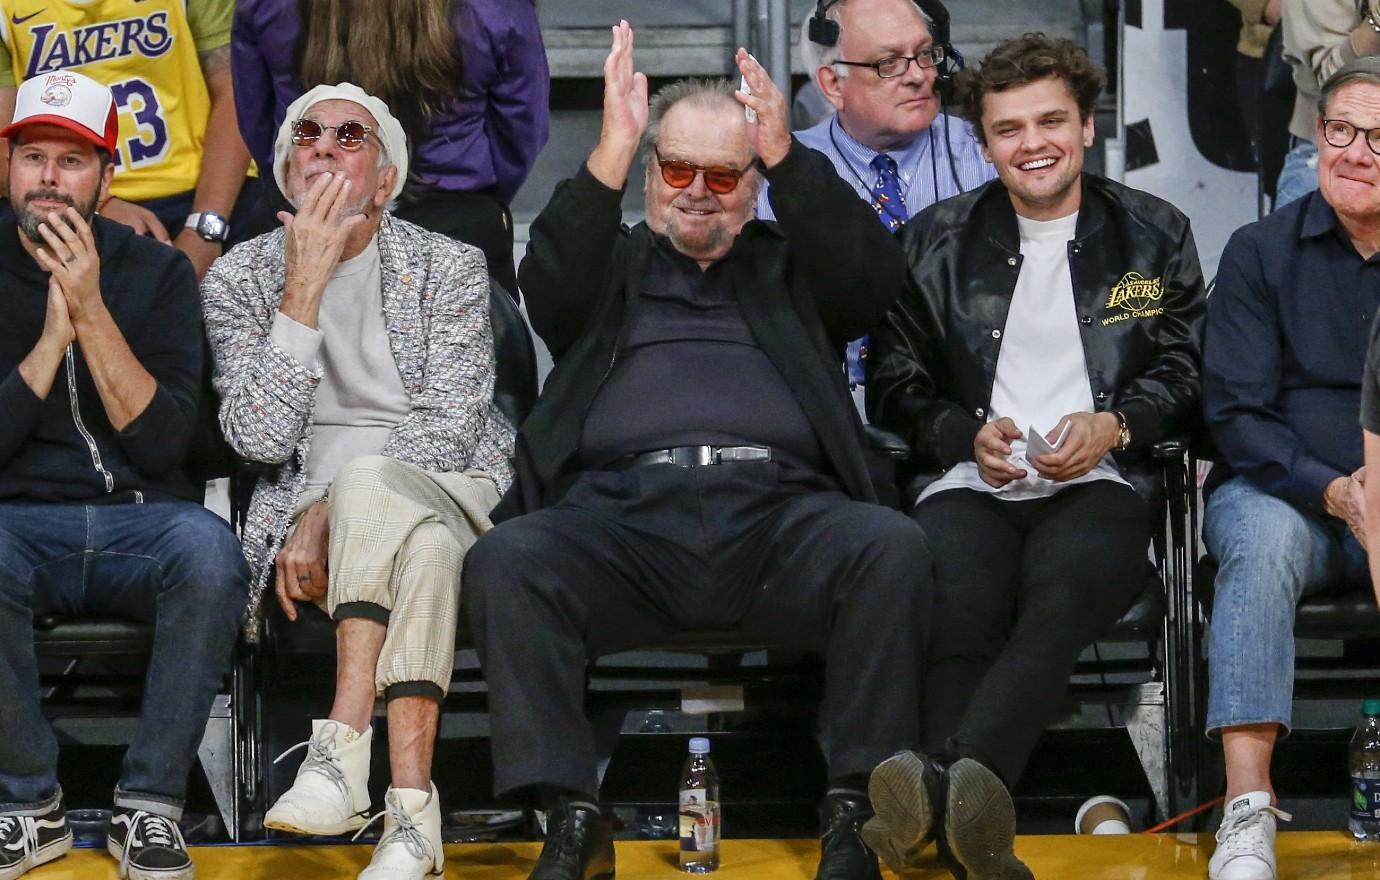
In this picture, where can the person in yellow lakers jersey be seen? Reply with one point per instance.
(180, 163)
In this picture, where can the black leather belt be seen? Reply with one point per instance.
(694, 456)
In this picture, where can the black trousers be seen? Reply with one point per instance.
(1021, 588)
(630, 557)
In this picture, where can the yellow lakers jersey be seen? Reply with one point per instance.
(144, 51)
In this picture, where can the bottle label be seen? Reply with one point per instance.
(1365, 799)
(699, 821)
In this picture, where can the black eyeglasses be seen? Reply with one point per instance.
(895, 65)
(719, 179)
(1340, 133)
(349, 135)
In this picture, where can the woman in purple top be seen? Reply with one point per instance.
(467, 78)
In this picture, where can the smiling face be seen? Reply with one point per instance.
(884, 114)
(50, 169)
(1349, 177)
(702, 224)
(1036, 139)
(370, 186)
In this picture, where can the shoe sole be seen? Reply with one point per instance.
(980, 824)
(316, 830)
(136, 873)
(54, 849)
(904, 820)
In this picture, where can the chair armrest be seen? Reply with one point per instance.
(1169, 449)
(887, 444)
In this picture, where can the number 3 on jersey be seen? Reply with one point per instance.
(149, 143)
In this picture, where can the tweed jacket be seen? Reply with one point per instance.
(436, 310)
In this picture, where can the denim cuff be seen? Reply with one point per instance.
(149, 802)
(367, 610)
(32, 808)
(413, 689)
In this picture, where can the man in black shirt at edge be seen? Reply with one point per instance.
(100, 366)
(695, 462)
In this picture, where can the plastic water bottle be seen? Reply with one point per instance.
(1365, 775)
(656, 822)
(699, 810)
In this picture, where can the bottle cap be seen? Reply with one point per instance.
(1370, 707)
(699, 745)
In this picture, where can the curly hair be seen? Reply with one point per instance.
(1025, 60)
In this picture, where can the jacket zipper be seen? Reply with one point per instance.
(81, 426)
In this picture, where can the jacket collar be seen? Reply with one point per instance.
(996, 212)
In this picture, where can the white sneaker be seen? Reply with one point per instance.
(410, 847)
(1246, 839)
(331, 793)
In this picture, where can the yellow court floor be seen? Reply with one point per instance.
(1302, 856)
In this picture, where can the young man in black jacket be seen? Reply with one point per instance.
(695, 461)
(100, 362)
(1060, 307)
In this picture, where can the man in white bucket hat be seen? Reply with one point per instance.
(354, 355)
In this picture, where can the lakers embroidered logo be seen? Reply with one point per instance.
(1135, 292)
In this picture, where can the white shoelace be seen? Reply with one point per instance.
(320, 758)
(406, 830)
(1244, 833)
(152, 830)
(28, 834)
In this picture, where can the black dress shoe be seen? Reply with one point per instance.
(843, 855)
(579, 845)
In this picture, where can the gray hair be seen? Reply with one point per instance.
(1365, 69)
(829, 55)
(696, 91)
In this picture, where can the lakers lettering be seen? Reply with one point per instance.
(55, 50)
(1135, 293)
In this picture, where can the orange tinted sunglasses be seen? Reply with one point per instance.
(718, 179)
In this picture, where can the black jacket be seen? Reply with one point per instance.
(150, 290)
(821, 276)
(932, 365)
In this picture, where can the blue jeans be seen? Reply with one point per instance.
(1269, 554)
(173, 564)
(1299, 176)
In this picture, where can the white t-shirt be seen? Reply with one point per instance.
(1042, 373)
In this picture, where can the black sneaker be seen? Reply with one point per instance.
(29, 841)
(148, 846)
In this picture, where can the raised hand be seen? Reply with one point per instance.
(316, 237)
(771, 133)
(625, 112)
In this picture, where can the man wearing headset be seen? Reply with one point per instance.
(883, 66)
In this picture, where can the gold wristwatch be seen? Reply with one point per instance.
(1123, 432)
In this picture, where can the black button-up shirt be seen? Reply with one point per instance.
(1285, 352)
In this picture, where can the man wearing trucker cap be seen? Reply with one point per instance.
(100, 362)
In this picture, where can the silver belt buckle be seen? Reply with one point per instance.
(707, 455)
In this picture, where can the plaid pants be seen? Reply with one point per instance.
(398, 536)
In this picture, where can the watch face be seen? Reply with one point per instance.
(212, 227)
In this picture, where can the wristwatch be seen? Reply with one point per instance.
(1123, 433)
(210, 226)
